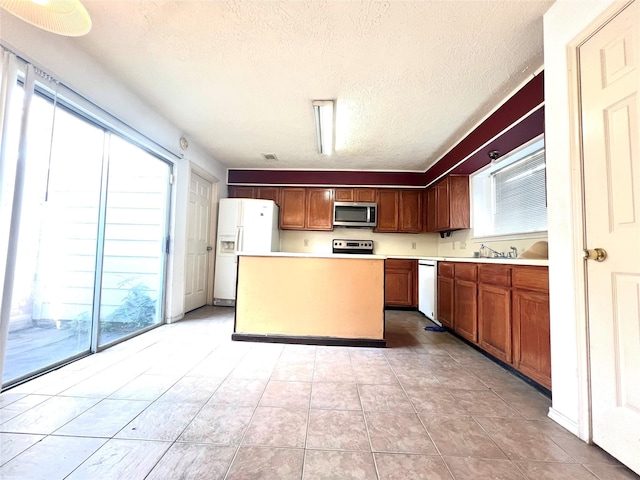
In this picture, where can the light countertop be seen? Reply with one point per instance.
(312, 255)
(503, 261)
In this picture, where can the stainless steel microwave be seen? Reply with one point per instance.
(355, 214)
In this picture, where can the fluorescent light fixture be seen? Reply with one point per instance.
(323, 110)
(63, 17)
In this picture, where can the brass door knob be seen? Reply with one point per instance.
(597, 254)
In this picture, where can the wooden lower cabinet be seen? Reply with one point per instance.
(401, 283)
(465, 306)
(494, 321)
(502, 308)
(445, 301)
(531, 337)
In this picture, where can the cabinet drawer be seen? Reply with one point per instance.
(466, 271)
(445, 269)
(531, 278)
(495, 274)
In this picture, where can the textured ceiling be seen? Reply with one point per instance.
(409, 77)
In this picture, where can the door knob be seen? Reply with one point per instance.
(209, 249)
(597, 254)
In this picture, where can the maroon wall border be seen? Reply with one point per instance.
(524, 101)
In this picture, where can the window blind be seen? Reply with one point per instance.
(519, 196)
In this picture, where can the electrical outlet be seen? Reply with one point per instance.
(463, 245)
(306, 242)
(413, 245)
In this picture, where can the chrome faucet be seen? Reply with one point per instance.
(495, 253)
(513, 253)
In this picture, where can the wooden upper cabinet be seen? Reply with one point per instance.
(442, 205)
(306, 208)
(448, 204)
(399, 210)
(388, 201)
(264, 193)
(410, 211)
(431, 210)
(459, 203)
(355, 195)
(268, 193)
(345, 195)
(241, 192)
(365, 194)
(319, 213)
(292, 208)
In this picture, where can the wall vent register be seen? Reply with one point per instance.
(353, 246)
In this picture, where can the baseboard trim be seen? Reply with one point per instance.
(306, 340)
(175, 318)
(564, 421)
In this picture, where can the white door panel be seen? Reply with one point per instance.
(609, 82)
(198, 225)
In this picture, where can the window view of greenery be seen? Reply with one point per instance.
(64, 253)
(510, 197)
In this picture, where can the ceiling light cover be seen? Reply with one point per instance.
(323, 110)
(63, 17)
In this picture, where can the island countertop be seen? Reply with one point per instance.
(504, 261)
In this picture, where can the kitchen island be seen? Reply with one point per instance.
(312, 299)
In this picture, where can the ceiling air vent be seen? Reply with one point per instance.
(270, 157)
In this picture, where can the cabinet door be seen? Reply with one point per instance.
(388, 201)
(432, 224)
(465, 305)
(345, 195)
(442, 205)
(319, 209)
(292, 208)
(268, 193)
(410, 211)
(241, 192)
(459, 206)
(445, 301)
(531, 338)
(365, 194)
(494, 321)
(400, 283)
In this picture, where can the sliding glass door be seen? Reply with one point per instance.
(134, 248)
(90, 265)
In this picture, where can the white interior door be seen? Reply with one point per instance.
(609, 82)
(198, 225)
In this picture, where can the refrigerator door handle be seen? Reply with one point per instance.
(236, 245)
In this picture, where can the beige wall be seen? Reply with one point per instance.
(385, 243)
(462, 244)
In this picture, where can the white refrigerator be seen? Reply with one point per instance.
(244, 225)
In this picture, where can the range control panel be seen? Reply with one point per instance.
(353, 246)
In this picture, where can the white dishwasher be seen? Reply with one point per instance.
(427, 289)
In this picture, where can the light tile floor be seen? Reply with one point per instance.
(185, 402)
